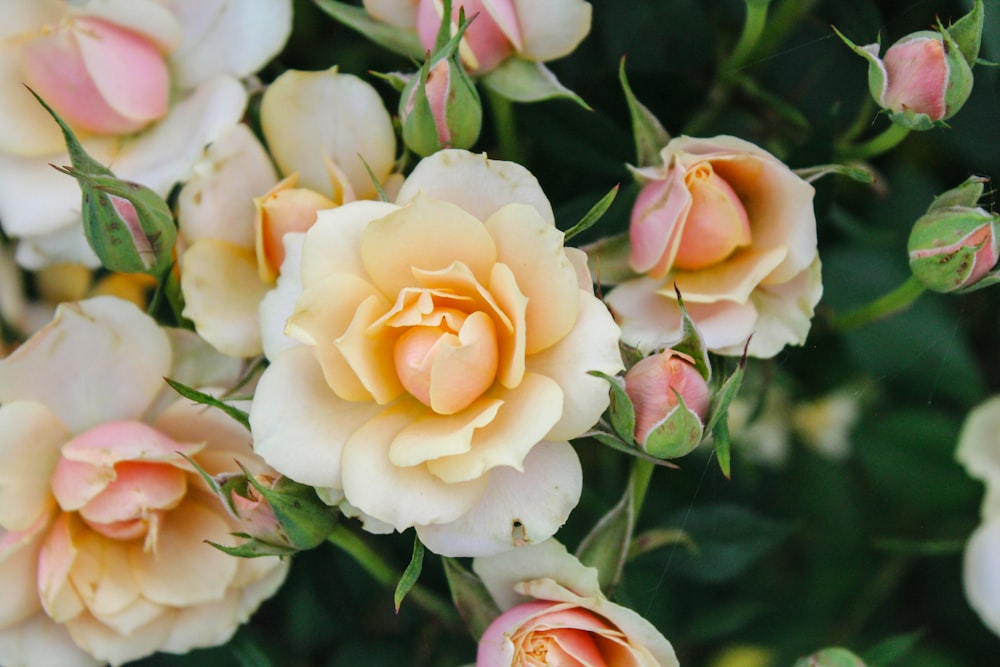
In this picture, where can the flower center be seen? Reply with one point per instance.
(716, 224)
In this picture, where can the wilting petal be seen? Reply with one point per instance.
(400, 496)
(29, 449)
(303, 438)
(517, 507)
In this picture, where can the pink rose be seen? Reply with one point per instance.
(733, 228)
(102, 519)
(653, 385)
(556, 614)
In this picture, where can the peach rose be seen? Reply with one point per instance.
(555, 614)
(145, 84)
(527, 29)
(102, 520)
(733, 228)
(323, 129)
(437, 357)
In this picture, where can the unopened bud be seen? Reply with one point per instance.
(831, 657)
(955, 244)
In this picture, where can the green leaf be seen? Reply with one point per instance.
(528, 81)
(620, 409)
(593, 215)
(723, 451)
(890, 650)
(717, 410)
(474, 603)
(967, 32)
(647, 131)
(855, 172)
(606, 546)
(304, 518)
(657, 538)
(253, 548)
(410, 574)
(614, 442)
(383, 34)
(248, 653)
(207, 399)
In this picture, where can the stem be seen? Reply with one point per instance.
(642, 471)
(875, 146)
(505, 126)
(386, 574)
(894, 302)
(753, 26)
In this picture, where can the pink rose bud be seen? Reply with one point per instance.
(956, 243)
(493, 36)
(654, 385)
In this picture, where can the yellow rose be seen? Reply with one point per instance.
(438, 357)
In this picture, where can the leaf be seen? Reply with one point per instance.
(892, 649)
(720, 436)
(410, 574)
(528, 81)
(593, 215)
(692, 343)
(248, 653)
(717, 424)
(647, 131)
(614, 442)
(474, 603)
(252, 548)
(606, 546)
(383, 34)
(657, 538)
(206, 399)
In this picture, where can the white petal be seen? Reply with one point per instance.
(981, 575)
(40, 642)
(299, 425)
(108, 646)
(19, 574)
(29, 450)
(476, 184)
(279, 304)
(979, 451)
(517, 507)
(236, 37)
(124, 348)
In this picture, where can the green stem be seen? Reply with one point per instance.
(505, 126)
(642, 472)
(753, 26)
(875, 146)
(895, 301)
(386, 574)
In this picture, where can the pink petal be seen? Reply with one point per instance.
(138, 488)
(113, 442)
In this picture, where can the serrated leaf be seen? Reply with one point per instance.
(395, 39)
(474, 603)
(620, 408)
(593, 215)
(606, 546)
(647, 131)
(528, 81)
(411, 574)
(207, 399)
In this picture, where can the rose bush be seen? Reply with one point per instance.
(145, 84)
(502, 28)
(323, 129)
(733, 229)
(554, 613)
(102, 519)
(436, 359)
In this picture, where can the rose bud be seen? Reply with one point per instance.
(671, 398)
(925, 77)
(831, 657)
(955, 244)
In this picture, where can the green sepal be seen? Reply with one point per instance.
(411, 574)
(474, 603)
(207, 399)
(620, 409)
(876, 70)
(657, 538)
(967, 32)
(606, 546)
(397, 80)
(716, 424)
(610, 439)
(395, 39)
(855, 172)
(692, 343)
(593, 215)
(677, 434)
(253, 548)
(648, 133)
(528, 81)
(304, 518)
(967, 194)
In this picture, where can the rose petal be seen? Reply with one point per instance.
(60, 601)
(112, 442)
(979, 451)
(40, 642)
(125, 348)
(222, 295)
(732, 280)
(101, 575)
(334, 244)
(431, 435)
(109, 646)
(552, 29)
(303, 437)
(477, 185)
(137, 489)
(29, 450)
(594, 337)
(398, 13)
(400, 496)
(279, 304)
(517, 507)
(980, 576)
(19, 573)
(533, 249)
(425, 235)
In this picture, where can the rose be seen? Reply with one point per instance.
(102, 520)
(144, 84)
(503, 28)
(654, 385)
(555, 613)
(437, 359)
(733, 229)
(325, 130)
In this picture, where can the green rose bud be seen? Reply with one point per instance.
(955, 244)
